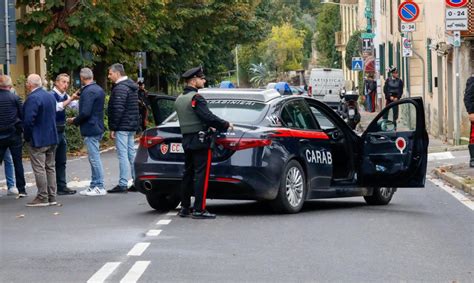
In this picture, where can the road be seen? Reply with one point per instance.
(422, 235)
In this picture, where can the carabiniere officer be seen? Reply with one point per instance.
(195, 119)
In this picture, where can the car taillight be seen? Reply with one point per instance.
(310, 91)
(150, 141)
(243, 143)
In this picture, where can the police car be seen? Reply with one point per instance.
(287, 149)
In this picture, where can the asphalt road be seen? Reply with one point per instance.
(422, 235)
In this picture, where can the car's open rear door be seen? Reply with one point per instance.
(162, 106)
(395, 147)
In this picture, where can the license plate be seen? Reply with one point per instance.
(351, 112)
(176, 148)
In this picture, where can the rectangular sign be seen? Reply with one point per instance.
(357, 64)
(365, 35)
(407, 27)
(457, 25)
(457, 14)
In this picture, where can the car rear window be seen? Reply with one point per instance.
(234, 111)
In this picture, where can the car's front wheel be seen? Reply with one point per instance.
(380, 196)
(292, 191)
(162, 202)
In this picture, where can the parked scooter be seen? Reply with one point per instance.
(349, 107)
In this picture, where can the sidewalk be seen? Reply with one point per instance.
(460, 175)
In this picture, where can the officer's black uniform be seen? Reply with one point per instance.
(194, 125)
(393, 87)
(469, 103)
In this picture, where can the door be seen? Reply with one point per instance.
(162, 106)
(395, 147)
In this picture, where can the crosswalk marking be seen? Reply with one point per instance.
(163, 222)
(104, 272)
(135, 272)
(153, 233)
(138, 249)
(440, 156)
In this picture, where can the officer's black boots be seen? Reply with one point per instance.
(204, 214)
(184, 212)
(471, 152)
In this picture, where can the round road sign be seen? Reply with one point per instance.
(407, 43)
(456, 3)
(408, 11)
(401, 144)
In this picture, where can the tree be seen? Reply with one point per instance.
(328, 22)
(284, 48)
(353, 48)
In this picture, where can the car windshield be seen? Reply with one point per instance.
(234, 111)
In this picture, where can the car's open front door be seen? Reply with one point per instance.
(162, 106)
(395, 147)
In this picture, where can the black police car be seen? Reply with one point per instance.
(287, 149)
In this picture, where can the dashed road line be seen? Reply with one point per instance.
(163, 222)
(135, 272)
(153, 233)
(138, 249)
(104, 272)
(171, 213)
(440, 156)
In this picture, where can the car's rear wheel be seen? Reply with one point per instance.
(292, 191)
(162, 202)
(380, 196)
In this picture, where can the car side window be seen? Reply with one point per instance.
(296, 114)
(322, 119)
(398, 118)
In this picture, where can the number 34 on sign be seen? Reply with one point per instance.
(407, 27)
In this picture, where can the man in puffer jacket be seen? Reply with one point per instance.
(469, 102)
(123, 122)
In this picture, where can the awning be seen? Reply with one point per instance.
(369, 65)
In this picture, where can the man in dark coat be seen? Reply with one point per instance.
(91, 122)
(469, 102)
(195, 119)
(61, 85)
(393, 90)
(42, 138)
(123, 123)
(11, 116)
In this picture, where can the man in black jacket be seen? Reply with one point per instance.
(123, 122)
(393, 90)
(469, 102)
(194, 121)
(11, 116)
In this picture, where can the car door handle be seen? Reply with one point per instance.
(304, 141)
(379, 139)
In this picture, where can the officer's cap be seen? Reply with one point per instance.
(393, 69)
(196, 72)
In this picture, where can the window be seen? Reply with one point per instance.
(296, 114)
(322, 119)
(400, 118)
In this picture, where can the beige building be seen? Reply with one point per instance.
(431, 71)
(27, 61)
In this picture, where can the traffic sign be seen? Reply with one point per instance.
(366, 35)
(457, 39)
(357, 64)
(456, 3)
(406, 47)
(457, 24)
(407, 27)
(456, 14)
(408, 11)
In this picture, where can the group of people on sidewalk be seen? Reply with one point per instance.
(41, 122)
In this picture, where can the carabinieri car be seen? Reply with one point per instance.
(287, 149)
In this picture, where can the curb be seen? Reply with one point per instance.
(454, 180)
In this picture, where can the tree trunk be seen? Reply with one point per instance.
(100, 74)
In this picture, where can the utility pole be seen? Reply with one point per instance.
(457, 118)
(7, 41)
(237, 64)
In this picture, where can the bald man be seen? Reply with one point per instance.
(41, 135)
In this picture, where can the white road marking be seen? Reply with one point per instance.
(135, 272)
(171, 213)
(153, 233)
(79, 184)
(453, 192)
(138, 249)
(104, 272)
(163, 222)
(440, 156)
